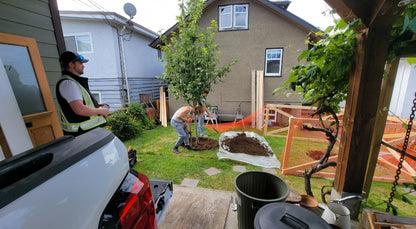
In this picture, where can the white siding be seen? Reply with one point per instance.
(104, 62)
(404, 90)
(104, 66)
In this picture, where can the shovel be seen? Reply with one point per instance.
(213, 125)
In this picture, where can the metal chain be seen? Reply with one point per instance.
(402, 154)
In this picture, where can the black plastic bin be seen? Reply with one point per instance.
(288, 216)
(254, 190)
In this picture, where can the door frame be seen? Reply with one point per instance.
(50, 109)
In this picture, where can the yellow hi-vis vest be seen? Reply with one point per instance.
(89, 124)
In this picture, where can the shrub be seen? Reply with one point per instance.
(138, 113)
(129, 123)
(123, 126)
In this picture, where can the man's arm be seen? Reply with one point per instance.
(206, 110)
(80, 109)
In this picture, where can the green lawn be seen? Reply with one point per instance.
(157, 161)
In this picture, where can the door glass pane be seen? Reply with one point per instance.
(19, 69)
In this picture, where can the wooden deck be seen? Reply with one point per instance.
(199, 208)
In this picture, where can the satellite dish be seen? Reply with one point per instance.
(130, 10)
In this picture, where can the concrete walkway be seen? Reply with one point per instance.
(194, 207)
(196, 202)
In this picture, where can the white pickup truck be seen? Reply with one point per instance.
(83, 183)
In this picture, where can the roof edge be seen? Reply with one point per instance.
(112, 16)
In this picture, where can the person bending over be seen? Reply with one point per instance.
(180, 123)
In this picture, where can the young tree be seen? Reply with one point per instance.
(323, 81)
(190, 55)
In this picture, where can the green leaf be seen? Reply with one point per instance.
(329, 29)
(407, 184)
(303, 55)
(394, 209)
(406, 200)
(342, 24)
(412, 25)
(411, 60)
(405, 24)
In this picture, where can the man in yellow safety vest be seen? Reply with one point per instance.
(79, 111)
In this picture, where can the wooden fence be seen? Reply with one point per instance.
(287, 121)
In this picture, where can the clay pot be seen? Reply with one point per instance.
(308, 202)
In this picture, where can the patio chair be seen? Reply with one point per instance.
(239, 116)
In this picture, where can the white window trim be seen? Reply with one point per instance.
(232, 16)
(82, 34)
(281, 63)
(99, 95)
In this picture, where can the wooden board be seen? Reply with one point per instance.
(374, 219)
(199, 208)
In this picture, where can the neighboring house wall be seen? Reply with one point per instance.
(33, 19)
(404, 90)
(266, 29)
(104, 68)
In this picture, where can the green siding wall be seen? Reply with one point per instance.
(32, 18)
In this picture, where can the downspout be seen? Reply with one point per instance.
(124, 80)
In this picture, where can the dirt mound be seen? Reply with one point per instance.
(204, 144)
(248, 145)
(239, 144)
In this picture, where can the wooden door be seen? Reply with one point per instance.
(23, 65)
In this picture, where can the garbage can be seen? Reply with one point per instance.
(254, 190)
(288, 216)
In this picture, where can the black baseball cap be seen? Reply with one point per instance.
(68, 57)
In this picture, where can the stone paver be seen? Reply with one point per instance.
(212, 171)
(239, 168)
(270, 170)
(189, 182)
(408, 190)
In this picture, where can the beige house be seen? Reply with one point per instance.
(261, 35)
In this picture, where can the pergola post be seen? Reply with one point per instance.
(361, 105)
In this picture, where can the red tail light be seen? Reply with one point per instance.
(134, 204)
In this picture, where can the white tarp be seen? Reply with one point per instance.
(262, 161)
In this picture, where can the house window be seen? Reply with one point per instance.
(96, 95)
(233, 17)
(273, 63)
(80, 43)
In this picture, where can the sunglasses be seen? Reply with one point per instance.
(78, 58)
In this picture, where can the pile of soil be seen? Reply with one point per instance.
(239, 144)
(248, 145)
(204, 144)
